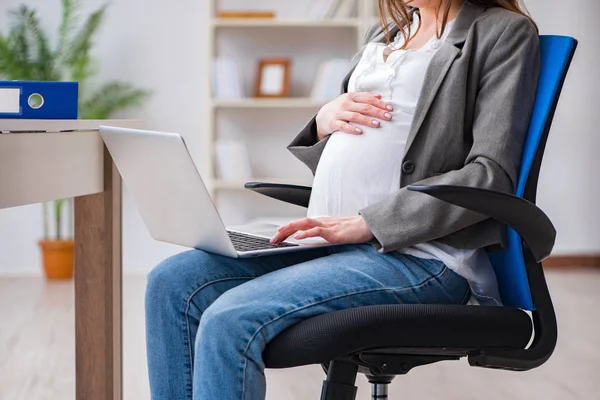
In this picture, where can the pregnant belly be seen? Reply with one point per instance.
(378, 151)
(355, 171)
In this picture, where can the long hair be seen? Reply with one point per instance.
(400, 13)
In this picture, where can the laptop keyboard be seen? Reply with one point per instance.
(245, 242)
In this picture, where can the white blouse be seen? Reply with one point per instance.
(355, 171)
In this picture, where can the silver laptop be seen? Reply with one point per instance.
(174, 203)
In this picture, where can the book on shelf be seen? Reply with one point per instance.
(227, 81)
(345, 9)
(375, 10)
(233, 160)
(245, 14)
(318, 8)
(328, 79)
(331, 9)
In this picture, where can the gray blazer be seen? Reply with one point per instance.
(468, 129)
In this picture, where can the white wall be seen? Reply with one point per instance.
(570, 184)
(162, 45)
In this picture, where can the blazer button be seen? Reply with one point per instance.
(408, 167)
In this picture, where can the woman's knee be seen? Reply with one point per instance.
(230, 326)
(224, 318)
(234, 318)
(175, 274)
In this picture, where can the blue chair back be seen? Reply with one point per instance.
(509, 265)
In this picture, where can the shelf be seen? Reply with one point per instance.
(286, 23)
(236, 185)
(269, 103)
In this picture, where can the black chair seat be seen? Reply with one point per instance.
(342, 333)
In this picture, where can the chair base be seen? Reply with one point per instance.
(379, 368)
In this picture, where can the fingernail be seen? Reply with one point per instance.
(280, 229)
(388, 115)
(389, 107)
(358, 130)
(375, 122)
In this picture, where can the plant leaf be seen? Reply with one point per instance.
(112, 97)
(58, 209)
(10, 65)
(41, 58)
(66, 29)
(19, 42)
(78, 58)
(25, 54)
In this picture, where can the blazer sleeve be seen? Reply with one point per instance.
(305, 146)
(505, 99)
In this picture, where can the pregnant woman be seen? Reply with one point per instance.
(441, 93)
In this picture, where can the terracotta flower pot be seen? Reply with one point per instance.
(58, 256)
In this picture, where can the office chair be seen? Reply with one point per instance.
(389, 340)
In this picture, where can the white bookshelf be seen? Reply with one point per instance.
(292, 36)
(299, 23)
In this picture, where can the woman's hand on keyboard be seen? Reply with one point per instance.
(360, 108)
(336, 230)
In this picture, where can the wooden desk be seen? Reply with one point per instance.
(38, 167)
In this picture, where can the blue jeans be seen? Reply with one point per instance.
(209, 317)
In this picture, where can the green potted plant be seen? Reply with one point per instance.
(27, 54)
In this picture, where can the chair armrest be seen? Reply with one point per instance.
(534, 227)
(293, 194)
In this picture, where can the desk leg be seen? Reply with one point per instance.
(98, 290)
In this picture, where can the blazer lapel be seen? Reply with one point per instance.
(440, 65)
(436, 72)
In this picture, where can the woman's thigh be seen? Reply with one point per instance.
(196, 278)
(352, 276)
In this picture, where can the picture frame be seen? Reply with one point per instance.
(273, 78)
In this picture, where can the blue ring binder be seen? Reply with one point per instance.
(58, 100)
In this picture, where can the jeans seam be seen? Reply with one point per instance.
(425, 282)
(187, 308)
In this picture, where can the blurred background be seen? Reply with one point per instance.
(197, 67)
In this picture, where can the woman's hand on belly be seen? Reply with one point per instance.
(336, 230)
(360, 108)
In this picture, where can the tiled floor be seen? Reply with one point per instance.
(37, 351)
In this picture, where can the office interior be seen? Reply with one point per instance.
(168, 49)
